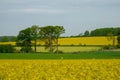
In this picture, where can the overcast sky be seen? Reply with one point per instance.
(75, 15)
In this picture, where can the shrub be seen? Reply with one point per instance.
(107, 47)
(118, 46)
(26, 49)
(59, 51)
(7, 49)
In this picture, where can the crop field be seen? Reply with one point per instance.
(87, 41)
(103, 40)
(71, 49)
(60, 69)
(68, 49)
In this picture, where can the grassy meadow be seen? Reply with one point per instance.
(80, 55)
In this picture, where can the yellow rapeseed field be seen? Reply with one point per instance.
(4, 43)
(60, 69)
(87, 41)
(77, 41)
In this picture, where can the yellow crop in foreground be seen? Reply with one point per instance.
(60, 69)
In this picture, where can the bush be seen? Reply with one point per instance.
(26, 49)
(6, 49)
(118, 46)
(59, 51)
(107, 47)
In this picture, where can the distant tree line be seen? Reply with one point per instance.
(105, 32)
(7, 38)
(28, 37)
(99, 32)
(49, 34)
(108, 32)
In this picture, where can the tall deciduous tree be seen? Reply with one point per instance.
(112, 38)
(58, 31)
(86, 33)
(35, 34)
(24, 40)
(51, 34)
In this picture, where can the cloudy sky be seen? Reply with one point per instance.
(75, 15)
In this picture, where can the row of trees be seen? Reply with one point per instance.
(100, 32)
(49, 34)
(105, 32)
(7, 38)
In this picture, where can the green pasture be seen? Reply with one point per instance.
(68, 49)
(80, 55)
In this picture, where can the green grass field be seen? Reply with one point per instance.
(81, 55)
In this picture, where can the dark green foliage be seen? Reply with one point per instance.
(51, 35)
(118, 46)
(86, 33)
(13, 38)
(26, 49)
(7, 38)
(4, 39)
(35, 35)
(7, 49)
(24, 40)
(118, 39)
(105, 32)
(107, 47)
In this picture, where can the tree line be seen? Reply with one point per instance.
(7, 38)
(99, 32)
(27, 38)
(49, 34)
(105, 32)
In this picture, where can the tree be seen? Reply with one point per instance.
(35, 34)
(51, 35)
(86, 33)
(5, 39)
(105, 31)
(7, 48)
(111, 37)
(58, 31)
(118, 39)
(13, 38)
(24, 40)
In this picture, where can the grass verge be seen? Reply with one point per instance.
(82, 55)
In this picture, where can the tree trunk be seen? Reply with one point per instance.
(57, 46)
(113, 41)
(35, 45)
(50, 44)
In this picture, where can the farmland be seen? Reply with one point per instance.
(60, 69)
(98, 41)
(78, 44)
(70, 49)
(78, 59)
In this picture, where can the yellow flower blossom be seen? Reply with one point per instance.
(60, 69)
